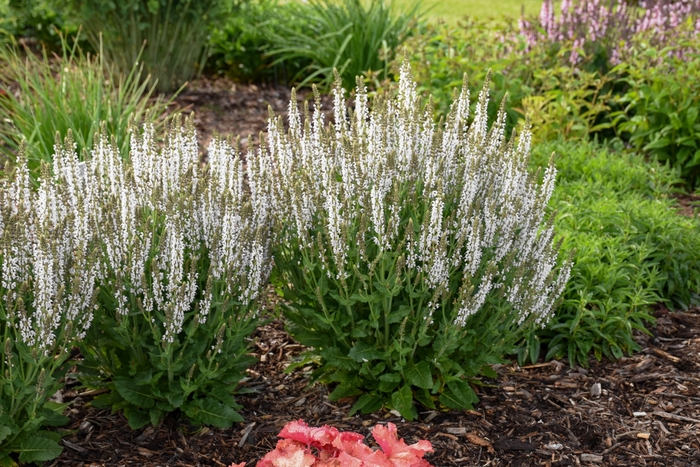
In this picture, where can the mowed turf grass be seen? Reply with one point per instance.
(452, 11)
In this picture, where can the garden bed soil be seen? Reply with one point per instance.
(642, 410)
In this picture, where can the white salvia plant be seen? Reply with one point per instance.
(186, 253)
(49, 271)
(409, 233)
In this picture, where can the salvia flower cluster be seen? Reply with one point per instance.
(164, 212)
(49, 267)
(478, 195)
(304, 446)
(589, 22)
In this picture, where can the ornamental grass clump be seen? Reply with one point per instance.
(49, 268)
(415, 254)
(186, 250)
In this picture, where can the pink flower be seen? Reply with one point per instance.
(315, 437)
(288, 453)
(398, 452)
(304, 446)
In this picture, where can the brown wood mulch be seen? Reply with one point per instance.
(643, 410)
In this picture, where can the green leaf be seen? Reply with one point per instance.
(212, 412)
(362, 352)
(133, 393)
(344, 390)
(5, 431)
(459, 395)
(402, 401)
(367, 403)
(136, 417)
(419, 375)
(335, 357)
(37, 449)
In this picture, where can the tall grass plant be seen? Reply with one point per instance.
(46, 96)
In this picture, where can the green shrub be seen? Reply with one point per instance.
(632, 250)
(412, 256)
(348, 36)
(240, 45)
(661, 105)
(168, 36)
(48, 272)
(73, 92)
(39, 20)
(441, 55)
(186, 251)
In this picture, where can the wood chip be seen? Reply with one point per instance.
(456, 430)
(643, 435)
(673, 416)
(479, 441)
(667, 355)
(145, 452)
(595, 458)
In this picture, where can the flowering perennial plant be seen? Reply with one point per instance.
(592, 23)
(49, 269)
(186, 250)
(303, 446)
(415, 253)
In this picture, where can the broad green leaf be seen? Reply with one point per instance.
(335, 357)
(344, 390)
(402, 401)
(140, 396)
(137, 417)
(5, 431)
(419, 375)
(37, 449)
(458, 395)
(212, 412)
(362, 352)
(367, 403)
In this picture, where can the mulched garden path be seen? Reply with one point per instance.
(642, 410)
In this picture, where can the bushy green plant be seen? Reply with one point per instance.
(48, 273)
(441, 54)
(46, 97)
(350, 36)
(632, 250)
(39, 20)
(239, 46)
(186, 252)
(661, 105)
(412, 255)
(168, 36)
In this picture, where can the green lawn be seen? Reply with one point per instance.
(452, 11)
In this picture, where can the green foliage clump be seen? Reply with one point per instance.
(648, 100)
(632, 250)
(39, 20)
(661, 105)
(441, 54)
(352, 37)
(239, 46)
(413, 256)
(48, 97)
(169, 37)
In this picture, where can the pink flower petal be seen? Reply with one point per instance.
(288, 453)
(321, 438)
(400, 454)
